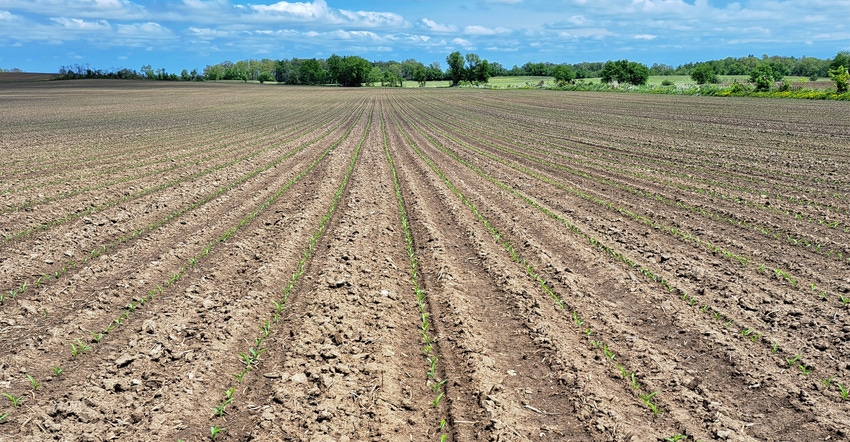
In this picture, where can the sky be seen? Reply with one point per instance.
(44, 35)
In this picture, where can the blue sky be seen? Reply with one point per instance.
(42, 35)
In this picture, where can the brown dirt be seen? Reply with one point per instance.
(582, 258)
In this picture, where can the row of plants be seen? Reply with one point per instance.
(793, 360)
(647, 398)
(291, 135)
(807, 241)
(639, 159)
(251, 357)
(107, 246)
(672, 231)
(80, 346)
(436, 383)
(180, 157)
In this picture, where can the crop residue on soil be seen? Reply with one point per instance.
(246, 262)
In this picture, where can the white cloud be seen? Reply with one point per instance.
(374, 19)
(577, 20)
(300, 11)
(482, 30)
(465, 44)
(437, 27)
(82, 25)
(644, 37)
(134, 33)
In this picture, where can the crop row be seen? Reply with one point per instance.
(251, 357)
(665, 284)
(110, 244)
(436, 384)
(80, 346)
(629, 375)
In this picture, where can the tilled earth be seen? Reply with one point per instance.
(246, 262)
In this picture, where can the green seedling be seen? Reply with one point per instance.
(219, 411)
(793, 360)
(214, 431)
(775, 347)
(827, 382)
(266, 329)
(240, 376)
(675, 438)
(3, 417)
(647, 400)
(608, 353)
(57, 371)
(436, 402)
(442, 424)
(79, 348)
(844, 299)
(805, 370)
(96, 336)
(844, 391)
(33, 382)
(16, 401)
(576, 319)
(634, 381)
(436, 387)
(433, 366)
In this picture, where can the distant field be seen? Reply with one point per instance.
(655, 80)
(11, 77)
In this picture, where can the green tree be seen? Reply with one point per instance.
(265, 76)
(841, 78)
(563, 73)
(625, 71)
(841, 59)
(350, 71)
(311, 72)
(477, 70)
(457, 72)
(763, 77)
(704, 73)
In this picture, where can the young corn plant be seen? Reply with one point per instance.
(845, 393)
(647, 400)
(16, 401)
(215, 431)
(79, 348)
(33, 382)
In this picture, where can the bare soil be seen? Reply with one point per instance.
(323, 264)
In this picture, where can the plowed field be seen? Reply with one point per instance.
(244, 262)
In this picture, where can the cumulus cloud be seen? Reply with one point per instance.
(437, 27)
(299, 11)
(82, 25)
(374, 19)
(482, 30)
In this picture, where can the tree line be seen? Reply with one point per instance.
(468, 68)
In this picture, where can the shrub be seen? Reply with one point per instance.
(703, 73)
(738, 88)
(668, 83)
(841, 78)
